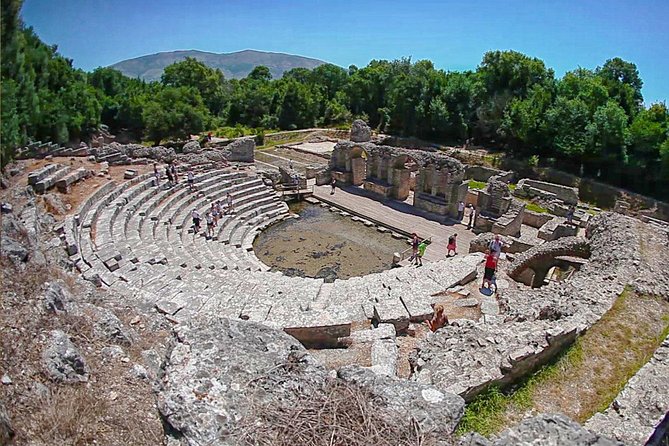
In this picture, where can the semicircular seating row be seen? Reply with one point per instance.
(137, 239)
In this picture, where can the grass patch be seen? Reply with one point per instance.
(536, 208)
(477, 185)
(512, 187)
(587, 376)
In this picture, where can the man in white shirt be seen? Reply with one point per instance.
(461, 210)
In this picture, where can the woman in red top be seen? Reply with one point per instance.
(490, 267)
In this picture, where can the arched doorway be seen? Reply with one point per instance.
(358, 165)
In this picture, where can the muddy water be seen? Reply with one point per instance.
(324, 244)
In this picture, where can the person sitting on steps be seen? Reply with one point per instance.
(439, 319)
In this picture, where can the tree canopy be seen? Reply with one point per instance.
(587, 121)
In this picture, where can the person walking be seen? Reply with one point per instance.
(191, 180)
(196, 220)
(333, 184)
(156, 173)
(461, 210)
(472, 218)
(173, 168)
(570, 214)
(168, 174)
(210, 224)
(421, 252)
(415, 241)
(452, 245)
(489, 271)
(468, 212)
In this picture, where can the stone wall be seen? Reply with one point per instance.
(240, 150)
(483, 173)
(536, 219)
(511, 222)
(527, 187)
(466, 357)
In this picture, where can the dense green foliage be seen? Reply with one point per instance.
(589, 122)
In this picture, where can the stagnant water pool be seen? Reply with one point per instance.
(325, 244)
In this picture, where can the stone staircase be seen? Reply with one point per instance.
(138, 239)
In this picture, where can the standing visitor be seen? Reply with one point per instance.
(495, 246)
(490, 267)
(333, 184)
(468, 212)
(156, 174)
(168, 173)
(452, 245)
(439, 319)
(472, 218)
(421, 252)
(173, 168)
(210, 224)
(231, 209)
(191, 180)
(461, 210)
(290, 163)
(415, 241)
(570, 214)
(196, 220)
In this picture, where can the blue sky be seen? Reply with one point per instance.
(565, 34)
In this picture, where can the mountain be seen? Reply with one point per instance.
(233, 65)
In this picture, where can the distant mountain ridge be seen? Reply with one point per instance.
(233, 65)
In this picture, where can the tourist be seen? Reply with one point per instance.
(156, 174)
(570, 214)
(210, 224)
(333, 184)
(209, 137)
(290, 163)
(490, 267)
(191, 180)
(214, 215)
(421, 252)
(168, 173)
(415, 241)
(495, 246)
(472, 218)
(468, 212)
(196, 220)
(228, 200)
(439, 319)
(461, 210)
(452, 245)
(173, 168)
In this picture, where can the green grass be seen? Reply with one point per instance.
(601, 362)
(486, 414)
(512, 187)
(536, 208)
(477, 185)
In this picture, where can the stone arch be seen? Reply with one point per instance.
(532, 266)
(357, 165)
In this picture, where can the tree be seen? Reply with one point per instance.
(648, 132)
(567, 121)
(623, 82)
(608, 133)
(175, 112)
(209, 82)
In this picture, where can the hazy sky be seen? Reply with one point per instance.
(565, 34)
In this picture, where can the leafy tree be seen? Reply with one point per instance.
(623, 82)
(608, 133)
(175, 112)
(648, 132)
(209, 82)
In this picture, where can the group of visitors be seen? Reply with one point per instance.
(170, 172)
(213, 215)
(418, 247)
(468, 211)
